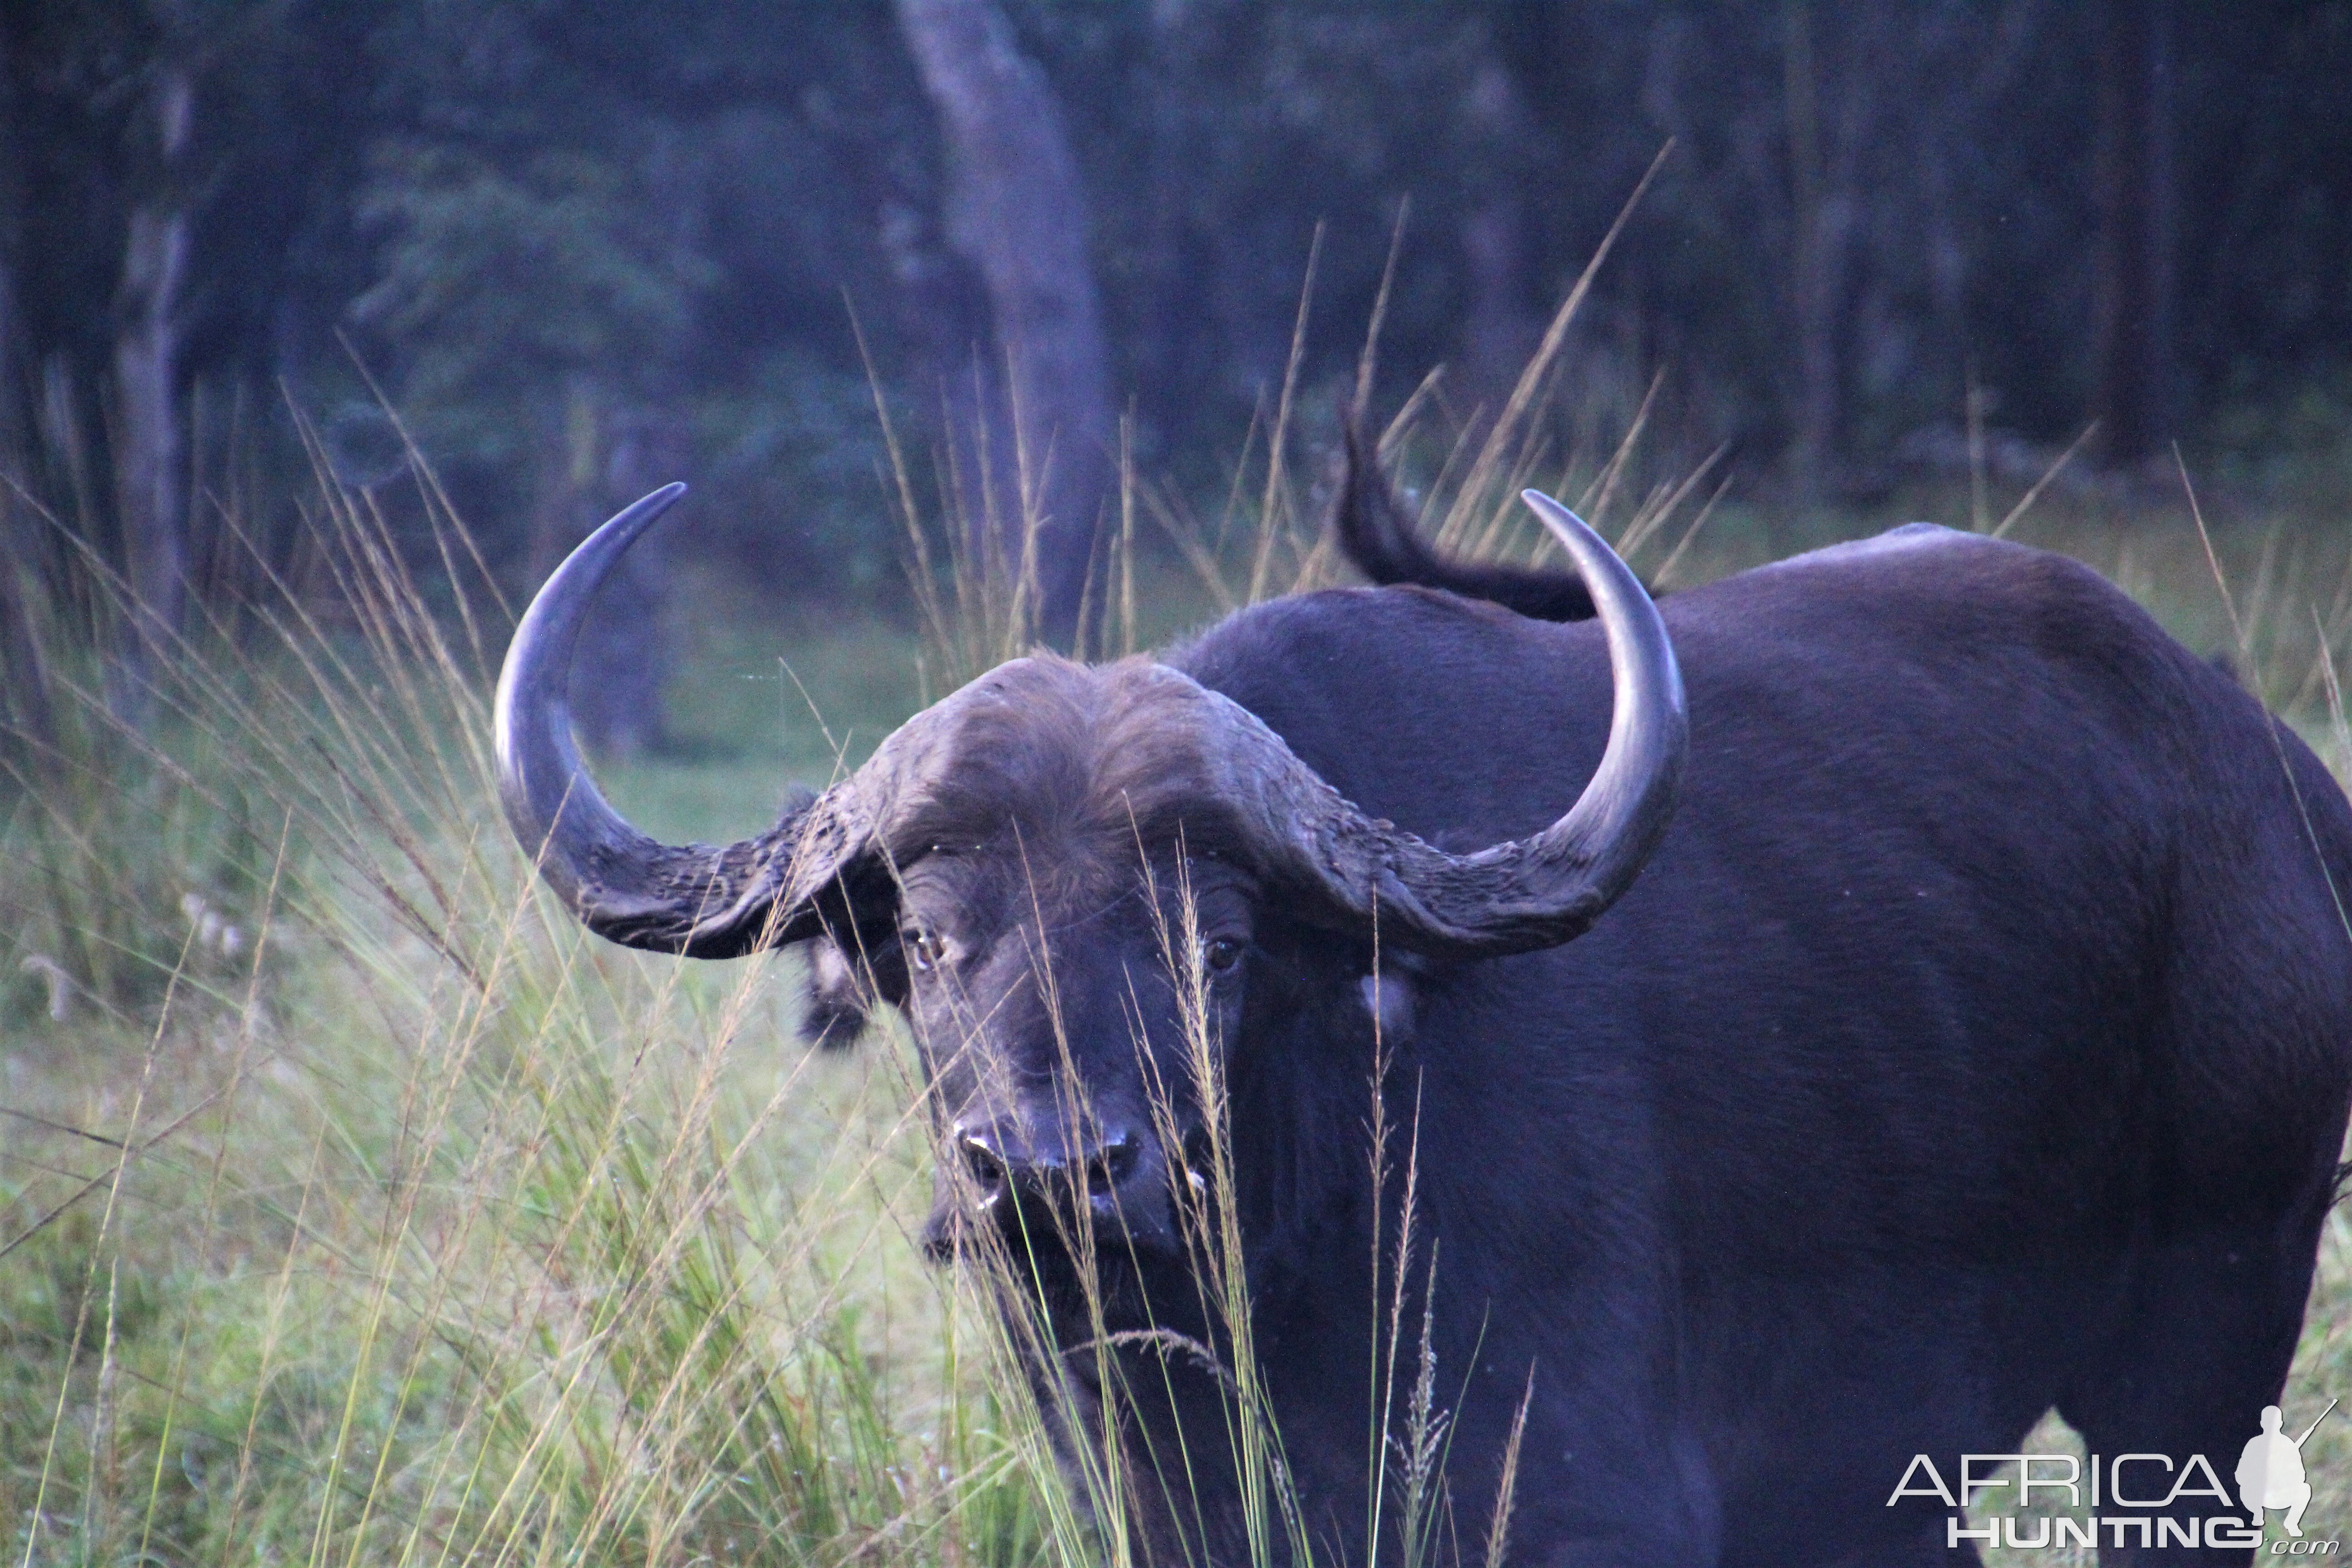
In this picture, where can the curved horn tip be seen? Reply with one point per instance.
(1652, 719)
(1640, 652)
(1555, 515)
(646, 507)
(532, 679)
(636, 517)
(591, 855)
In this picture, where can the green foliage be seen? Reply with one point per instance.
(502, 283)
(795, 457)
(503, 204)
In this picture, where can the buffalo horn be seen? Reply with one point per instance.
(1517, 896)
(693, 899)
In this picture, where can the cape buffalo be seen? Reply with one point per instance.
(1949, 1019)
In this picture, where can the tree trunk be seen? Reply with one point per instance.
(2132, 305)
(1817, 244)
(1167, 357)
(14, 136)
(24, 709)
(151, 453)
(626, 664)
(1499, 330)
(1015, 211)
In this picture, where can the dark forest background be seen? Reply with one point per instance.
(582, 246)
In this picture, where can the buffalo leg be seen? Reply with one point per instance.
(2207, 1343)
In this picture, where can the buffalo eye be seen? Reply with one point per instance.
(925, 949)
(1219, 955)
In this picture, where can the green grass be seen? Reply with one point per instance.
(408, 1225)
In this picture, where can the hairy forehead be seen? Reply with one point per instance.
(1084, 770)
(1070, 871)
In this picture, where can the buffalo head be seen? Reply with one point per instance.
(1064, 875)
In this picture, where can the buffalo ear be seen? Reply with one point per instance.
(836, 1003)
(841, 992)
(836, 1000)
(1391, 1001)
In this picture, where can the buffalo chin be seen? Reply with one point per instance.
(1131, 1264)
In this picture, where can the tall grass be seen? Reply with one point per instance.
(357, 1207)
(387, 1218)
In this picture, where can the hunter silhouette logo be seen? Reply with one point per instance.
(2270, 1471)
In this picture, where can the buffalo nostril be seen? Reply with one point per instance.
(986, 1166)
(1113, 1163)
